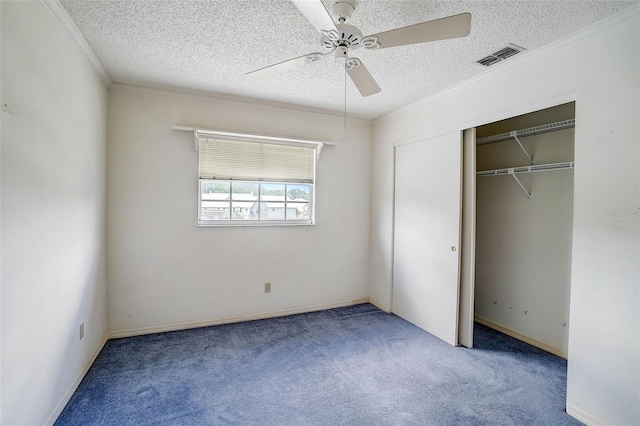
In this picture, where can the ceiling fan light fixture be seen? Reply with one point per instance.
(340, 55)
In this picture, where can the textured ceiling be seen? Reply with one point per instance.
(209, 45)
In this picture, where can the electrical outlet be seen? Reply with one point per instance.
(81, 330)
(267, 287)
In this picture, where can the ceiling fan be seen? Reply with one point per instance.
(342, 39)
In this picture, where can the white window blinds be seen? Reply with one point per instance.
(255, 161)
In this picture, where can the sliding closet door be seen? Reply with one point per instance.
(468, 239)
(427, 234)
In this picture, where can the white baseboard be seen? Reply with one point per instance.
(530, 340)
(585, 418)
(379, 305)
(229, 320)
(74, 386)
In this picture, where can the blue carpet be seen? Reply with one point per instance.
(348, 366)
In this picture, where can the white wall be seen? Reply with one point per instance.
(163, 270)
(53, 240)
(602, 70)
(0, 220)
(523, 246)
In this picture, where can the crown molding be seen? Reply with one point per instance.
(230, 100)
(526, 58)
(62, 17)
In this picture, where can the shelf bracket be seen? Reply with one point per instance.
(514, 134)
(319, 150)
(512, 173)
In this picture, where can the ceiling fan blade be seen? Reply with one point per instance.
(360, 76)
(282, 67)
(440, 29)
(316, 13)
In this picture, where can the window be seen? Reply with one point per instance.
(243, 182)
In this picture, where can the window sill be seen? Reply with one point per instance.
(252, 224)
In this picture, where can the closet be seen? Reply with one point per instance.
(482, 229)
(524, 210)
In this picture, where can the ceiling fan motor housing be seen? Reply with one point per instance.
(347, 36)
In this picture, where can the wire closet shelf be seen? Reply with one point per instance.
(512, 171)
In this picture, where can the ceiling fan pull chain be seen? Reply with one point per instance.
(345, 96)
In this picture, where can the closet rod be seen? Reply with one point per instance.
(512, 171)
(528, 169)
(551, 127)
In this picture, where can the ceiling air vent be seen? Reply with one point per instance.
(500, 55)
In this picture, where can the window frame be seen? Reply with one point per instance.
(259, 222)
(242, 137)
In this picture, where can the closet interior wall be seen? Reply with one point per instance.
(523, 246)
